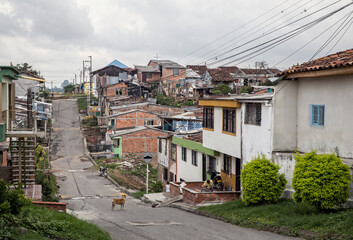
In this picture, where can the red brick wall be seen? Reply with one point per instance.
(195, 197)
(141, 142)
(167, 74)
(111, 90)
(135, 119)
(58, 206)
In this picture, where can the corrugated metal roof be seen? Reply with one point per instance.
(168, 64)
(147, 68)
(118, 64)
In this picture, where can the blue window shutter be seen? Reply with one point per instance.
(321, 119)
(315, 115)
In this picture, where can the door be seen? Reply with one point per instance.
(237, 174)
(204, 167)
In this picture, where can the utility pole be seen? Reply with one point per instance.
(29, 109)
(90, 81)
(80, 77)
(83, 71)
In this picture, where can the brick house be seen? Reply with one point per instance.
(138, 141)
(132, 118)
(148, 74)
(118, 89)
(171, 74)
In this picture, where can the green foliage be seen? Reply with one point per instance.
(49, 186)
(287, 217)
(69, 88)
(188, 103)
(246, 89)
(269, 83)
(164, 100)
(43, 223)
(90, 121)
(82, 103)
(45, 93)
(41, 156)
(321, 180)
(261, 182)
(222, 89)
(157, 186)
(25, 67)
(11, 200)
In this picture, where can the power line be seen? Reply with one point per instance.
(274, 20)
(297, 29)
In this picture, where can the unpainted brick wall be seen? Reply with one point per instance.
(58, 206)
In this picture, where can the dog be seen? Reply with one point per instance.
(119, 201)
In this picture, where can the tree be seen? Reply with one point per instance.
(25, 67)
(69, 88)
(261, 182)
(321, 180)
(65, 83)
(222, 89)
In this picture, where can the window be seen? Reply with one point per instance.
(116, 143)
(253, 114)
(148, 122)
(183, 154)
(227, 166)
(173, 155)
(166, 148)
(165, 174)
(318, 115)
(118, 91)
(212, 163)
(208, 118)
(149, 75)
(176, 72)
(229, 120)
(160, 146)
(194, 158)
(171, 177)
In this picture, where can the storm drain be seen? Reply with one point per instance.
(153, 223)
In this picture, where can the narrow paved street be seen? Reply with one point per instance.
(89, 196)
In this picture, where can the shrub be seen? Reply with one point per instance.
(261, 182)
(320, 180)
(49, 186)
(222, 89)
(11, 200)
(246, 89)
(90, 121)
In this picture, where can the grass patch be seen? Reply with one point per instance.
(42, 223)
(286, 217)
(139, 194)
(82, 102)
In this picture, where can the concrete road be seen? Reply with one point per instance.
(89, 196)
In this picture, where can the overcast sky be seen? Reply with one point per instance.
(56, 36)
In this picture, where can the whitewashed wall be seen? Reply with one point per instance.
(187, 171)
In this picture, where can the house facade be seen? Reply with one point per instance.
(222, 132)
(312, 110)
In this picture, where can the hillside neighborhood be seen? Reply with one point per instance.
(164, 120)
(198, 132)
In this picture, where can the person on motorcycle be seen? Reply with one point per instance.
(208, 185)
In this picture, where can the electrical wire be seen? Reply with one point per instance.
(277, 29)
(314, 22)
(346, 16)
(274, 20)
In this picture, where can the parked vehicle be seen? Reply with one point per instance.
(103, 171)
(217, 180)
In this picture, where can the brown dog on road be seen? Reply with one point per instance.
(119, 201)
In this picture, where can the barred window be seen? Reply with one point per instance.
(227, 165)
(253, 114)
(183, 154)
(176, 72)
(229, 120)
(194, 158)
(208, 117)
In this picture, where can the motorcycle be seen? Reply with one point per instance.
(217, 180)
(103, 171)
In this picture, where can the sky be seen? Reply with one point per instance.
(57, 36)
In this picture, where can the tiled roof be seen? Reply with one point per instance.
(268, 71)
(337, 60)
(147, 69)
(220, 75)
(199, 69)
(168, 64)
(197, 137)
